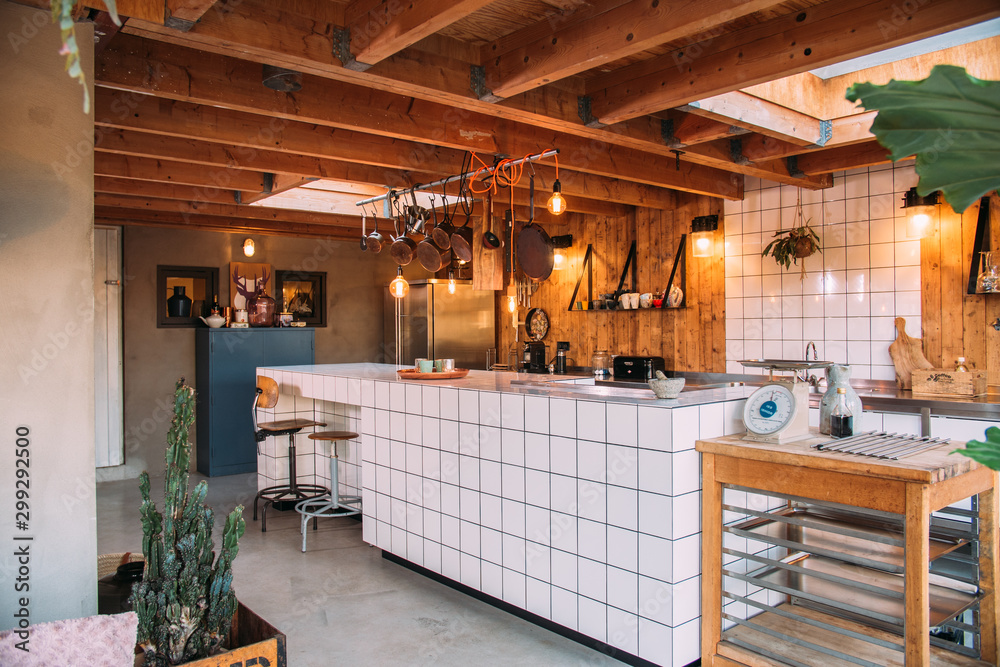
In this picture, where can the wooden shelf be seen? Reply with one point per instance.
(729, 646)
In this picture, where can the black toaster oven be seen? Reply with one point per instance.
(636, 368)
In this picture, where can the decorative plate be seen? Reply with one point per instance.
(413, 374)
(536, 324)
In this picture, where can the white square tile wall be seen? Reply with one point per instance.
(867, 274)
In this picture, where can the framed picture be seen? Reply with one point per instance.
(303, 294)
(185, 293)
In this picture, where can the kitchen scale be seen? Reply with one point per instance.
(779, 411)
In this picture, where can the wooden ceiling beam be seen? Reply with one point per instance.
(210, 223)
(585, 192)
(175, 73)
(113, 185)
(767, 118)
(165, 171)
(817, 36)
(245, 212)
(390, 27)
(845, 157)
(183, 14)
(617, 33)
(147, 10)
(262, 32)
(687, 129)
(282, 183)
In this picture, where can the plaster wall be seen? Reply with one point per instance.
(46, 333)
(154, 358)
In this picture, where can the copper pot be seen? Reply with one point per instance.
(430, 256)
(461, 243)
(442, 233)
(402, 249)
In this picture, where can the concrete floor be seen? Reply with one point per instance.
(340, 602)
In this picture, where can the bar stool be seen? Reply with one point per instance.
(267, 397)
(333, 504)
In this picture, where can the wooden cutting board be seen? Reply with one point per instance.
(907, 355)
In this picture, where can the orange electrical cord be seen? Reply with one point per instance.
(506, 173)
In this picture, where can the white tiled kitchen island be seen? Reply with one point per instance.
(577, 504)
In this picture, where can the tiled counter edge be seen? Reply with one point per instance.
(582, 512)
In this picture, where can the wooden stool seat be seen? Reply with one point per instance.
(288, 425)
(333, 435)
(332, 504)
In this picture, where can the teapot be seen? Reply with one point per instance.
(214, 320)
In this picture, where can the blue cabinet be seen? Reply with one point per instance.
(226, 378)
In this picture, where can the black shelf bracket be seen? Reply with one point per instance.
(982, 241)
(588, 269)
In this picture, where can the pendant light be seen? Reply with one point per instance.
(399, 288)
(556, 203)
(451, 282)
(703, 235)
(921, 213)
(248, 247)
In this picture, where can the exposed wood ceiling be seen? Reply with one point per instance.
(641, 98)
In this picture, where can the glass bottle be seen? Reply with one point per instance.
(989, 277)
(841, 419)
(960, 366)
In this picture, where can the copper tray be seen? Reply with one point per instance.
(413, 374)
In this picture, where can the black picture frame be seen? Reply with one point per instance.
(203, 286)
(302, 293)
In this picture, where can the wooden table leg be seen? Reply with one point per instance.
(711, 560)
(916, 561)
(989, 573)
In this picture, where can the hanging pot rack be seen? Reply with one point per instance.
(489, 171)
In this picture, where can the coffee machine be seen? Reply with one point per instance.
(536, 357)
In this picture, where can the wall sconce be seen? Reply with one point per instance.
(921, 213)
(703, 235)
(451, 282)
(564, 241)
(248, 247)
(399, 288)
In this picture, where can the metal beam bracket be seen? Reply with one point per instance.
(667, 133)
(477, 81)
(792, 162)
(181, 25)
(268, 183)
(342, 50)
(583, 109)
(736, 152)
(825, 132)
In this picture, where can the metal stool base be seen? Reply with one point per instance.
(276, 494)
(332, 504)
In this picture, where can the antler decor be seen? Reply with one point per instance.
(247, 287)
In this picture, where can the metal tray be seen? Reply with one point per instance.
(851, 537)
(881, 596)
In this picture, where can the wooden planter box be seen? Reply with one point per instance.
(257, 643)
(949, 383)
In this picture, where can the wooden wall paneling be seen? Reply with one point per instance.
(953, 282)
(930, 296)
(487, 264)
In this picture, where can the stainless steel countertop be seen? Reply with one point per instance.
(878, 396)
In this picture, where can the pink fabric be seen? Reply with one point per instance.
(95, 641)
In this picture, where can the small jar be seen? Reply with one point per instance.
(960, 366)
(601, 363)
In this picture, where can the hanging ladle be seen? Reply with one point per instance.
(364, 231)
(491, 240)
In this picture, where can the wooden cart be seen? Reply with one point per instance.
(882, 503)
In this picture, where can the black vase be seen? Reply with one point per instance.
(179, 305)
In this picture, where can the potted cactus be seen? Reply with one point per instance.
(185, 602)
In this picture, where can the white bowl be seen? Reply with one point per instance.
(668, 388)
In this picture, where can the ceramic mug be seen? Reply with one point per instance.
(448, 364)
(624, 301)
(645, 300)
(633, 300)
(425, 365)
(241, 316)
(439, 365)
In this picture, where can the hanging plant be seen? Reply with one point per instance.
(791, 245)
(62, 13)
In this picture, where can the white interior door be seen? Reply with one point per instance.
(109, 411)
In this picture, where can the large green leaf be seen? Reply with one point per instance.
(950, 121)
(987, 453)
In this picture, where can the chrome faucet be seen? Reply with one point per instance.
(806, 376)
